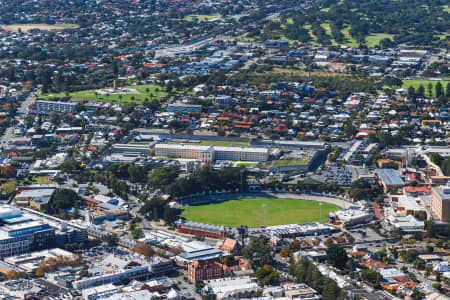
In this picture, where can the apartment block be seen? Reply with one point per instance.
(241, 153)
(440, 202)
(184, 108)
(48, 106)
(211, 153)
(205, 270)
(202, 153)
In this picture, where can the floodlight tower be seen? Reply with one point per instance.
(320, 206)
(264, 207)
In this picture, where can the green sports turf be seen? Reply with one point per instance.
(417, 83)
(154, 92)
(202, 18)
(250, 212)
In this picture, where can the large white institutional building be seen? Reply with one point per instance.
(211, 153)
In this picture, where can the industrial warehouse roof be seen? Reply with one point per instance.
(389, 177)
(36, 193)
(201, 254)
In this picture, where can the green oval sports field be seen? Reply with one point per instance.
(250, 212)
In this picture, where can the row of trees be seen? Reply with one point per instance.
(267, 275)
(64, 199)
(438, 90)
(156, 209)
(342, 84)
(206, 179)
(51, 264)
(160, 178)
(359, 190)
(443, 163)
(259, 252)
(129, 171)
(305, 271)
(306, 185)
(108, 177)
(148, 250)
(405, 20)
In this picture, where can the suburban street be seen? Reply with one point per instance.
(22, 111)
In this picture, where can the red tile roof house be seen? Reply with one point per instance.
(375, 264)
(231, 246)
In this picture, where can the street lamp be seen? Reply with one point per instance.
(264, 207)
(320, 206)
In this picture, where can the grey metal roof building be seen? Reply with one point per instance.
(202, 226)
(389, 177)
(200, 254)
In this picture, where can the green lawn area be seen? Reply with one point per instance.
(41, 180)
(374, 39)
(250, 212)
(244, 38)
(224, 143)
(280, 35)
(28, 27)
(237, 17)
(446, 8)
(327, 28)
(349, 40)
(154, 92)
(371, 41)
(416, 83)
(201, 18)
(289, 162)
(313, 41)
(245, 164)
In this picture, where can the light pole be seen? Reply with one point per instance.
(264, 207)
(320, 206)
(242, 181)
